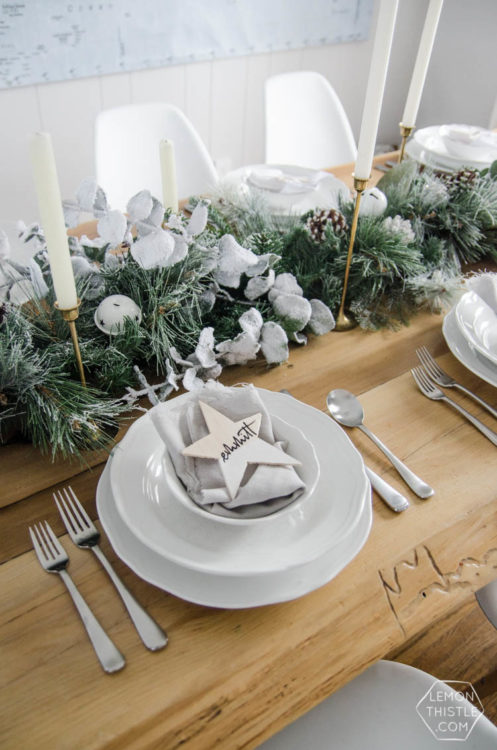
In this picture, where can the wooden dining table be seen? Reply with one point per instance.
(231, 678)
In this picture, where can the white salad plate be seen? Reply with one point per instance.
(428, 145)
(225, 591)
(461, 349)
(477, 322)
(305, 531)
(288, 189)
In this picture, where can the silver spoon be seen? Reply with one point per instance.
(392, 498)
(347, 410)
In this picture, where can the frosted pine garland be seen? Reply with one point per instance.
(226, 285)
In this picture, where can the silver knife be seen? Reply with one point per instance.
(388, 494)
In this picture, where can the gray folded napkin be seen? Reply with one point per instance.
(265, 488)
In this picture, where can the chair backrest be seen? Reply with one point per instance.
(378, 711)
(127, 152)
(306, 124)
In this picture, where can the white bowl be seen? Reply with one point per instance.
(485, 286)
(477, 322)
(468, 142)
(298, 446)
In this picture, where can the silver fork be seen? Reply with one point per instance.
(85, 535)
(445, 381)
(54, 559)
(430, 390)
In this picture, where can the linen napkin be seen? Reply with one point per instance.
(278, 181)
(264, 489)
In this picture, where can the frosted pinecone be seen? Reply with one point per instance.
(465, 177)
(402, 227)
(318, 222)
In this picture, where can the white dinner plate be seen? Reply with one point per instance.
(439, 163)
(462, 351)
(318, 189)
(431, 142)
(225, 591)
(477, 322)
(302, 532)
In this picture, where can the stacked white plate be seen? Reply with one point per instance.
(451, 147)
(470, 328)
(238, 563)
(288, 189)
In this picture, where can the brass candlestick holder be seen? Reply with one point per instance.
(345, 322)
(405, 133)
(71, 314)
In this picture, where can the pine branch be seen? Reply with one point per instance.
(55, 411)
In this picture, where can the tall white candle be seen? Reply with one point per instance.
(421, 64)
(168, 173)
(52, 219)
(376, 85)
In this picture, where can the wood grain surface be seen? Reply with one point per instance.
(229, 679)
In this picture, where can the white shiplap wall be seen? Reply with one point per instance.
(224, 98)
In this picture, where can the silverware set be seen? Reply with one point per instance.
(388, 494)
(343, 406)
(346, 409)
(430, 379)
(54, 559)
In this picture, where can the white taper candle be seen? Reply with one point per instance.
(52, 219)
(168, 173)
(421, 64)
(376, 85)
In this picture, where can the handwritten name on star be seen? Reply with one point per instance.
(244, 433)
(235, 445)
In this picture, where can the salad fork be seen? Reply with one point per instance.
(85, 535)
(445, 381)
(54, 559)
(430, 390)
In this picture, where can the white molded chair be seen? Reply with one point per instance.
(127, 152)
(306, 124)
(377, 711)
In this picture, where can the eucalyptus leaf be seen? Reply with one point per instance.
(154, 250)
(140, 206)
(274, 343)
(112, 227)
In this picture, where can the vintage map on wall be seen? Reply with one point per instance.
(56, 40)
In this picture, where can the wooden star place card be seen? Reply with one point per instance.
(235, 445)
